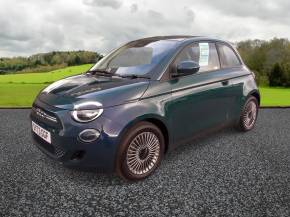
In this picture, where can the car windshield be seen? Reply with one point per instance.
(135, 58)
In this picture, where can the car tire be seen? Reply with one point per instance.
(140, 152)
(248, 115)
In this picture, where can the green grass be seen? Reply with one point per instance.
(275, 96)
(19, 90)
(43, 77)
(18, 95)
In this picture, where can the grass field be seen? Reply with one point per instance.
(20, 90)
(272, 96)
(18, 95)
(44, 77)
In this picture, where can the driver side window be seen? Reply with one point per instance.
(203, 53)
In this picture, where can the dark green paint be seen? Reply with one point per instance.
(181, 106)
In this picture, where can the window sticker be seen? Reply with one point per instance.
(203, 54)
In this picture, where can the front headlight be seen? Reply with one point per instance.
(86, 111)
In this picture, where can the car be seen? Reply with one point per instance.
(141, 101)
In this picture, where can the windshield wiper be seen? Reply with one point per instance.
(132, 76)
(106, 73)
(102, 72)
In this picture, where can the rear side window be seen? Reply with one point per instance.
(228, 57)
(205, 54)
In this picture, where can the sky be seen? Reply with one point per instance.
(36, 26)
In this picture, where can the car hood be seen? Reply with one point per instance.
(109, 91)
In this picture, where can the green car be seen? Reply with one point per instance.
(142, 100)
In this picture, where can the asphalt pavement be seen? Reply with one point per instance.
(227, 173)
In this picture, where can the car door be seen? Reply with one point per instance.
(199, 101)
(233, 69)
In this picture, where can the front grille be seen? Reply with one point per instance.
(49, 120)
(58, 151)
(48, 147)
(54, 149)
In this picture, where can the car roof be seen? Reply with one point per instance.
(168, 37)
(182, 39)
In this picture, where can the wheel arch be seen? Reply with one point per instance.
(161, 125)
(256, 94)
(153, 119)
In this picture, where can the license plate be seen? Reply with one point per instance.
(42, 133)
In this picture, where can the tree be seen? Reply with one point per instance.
(77, 60)
(286, 75)
(276, 75)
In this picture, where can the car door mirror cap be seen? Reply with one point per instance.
(187, 67)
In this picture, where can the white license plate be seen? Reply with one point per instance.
(42, 133)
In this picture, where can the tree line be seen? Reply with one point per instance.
(269, 60)
(47, 61)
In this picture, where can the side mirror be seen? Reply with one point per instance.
(187, 67)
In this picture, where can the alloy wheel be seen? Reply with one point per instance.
(250, 115)
(142, 153)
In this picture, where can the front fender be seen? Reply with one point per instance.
(127, 115)
(249, 88)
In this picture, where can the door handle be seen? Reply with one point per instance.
(226, 82)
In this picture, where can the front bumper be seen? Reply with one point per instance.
(65, 145)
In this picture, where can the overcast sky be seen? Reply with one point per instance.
(34, 26)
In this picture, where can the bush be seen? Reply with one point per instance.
(276, 75)
(286, 75)
(270, 60)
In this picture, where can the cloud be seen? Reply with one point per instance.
(134, 8)
(34, 26)
(115, 4)
(267, 10)
(154, 14)
(190, 14)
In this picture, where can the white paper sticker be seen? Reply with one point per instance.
(203, 54)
